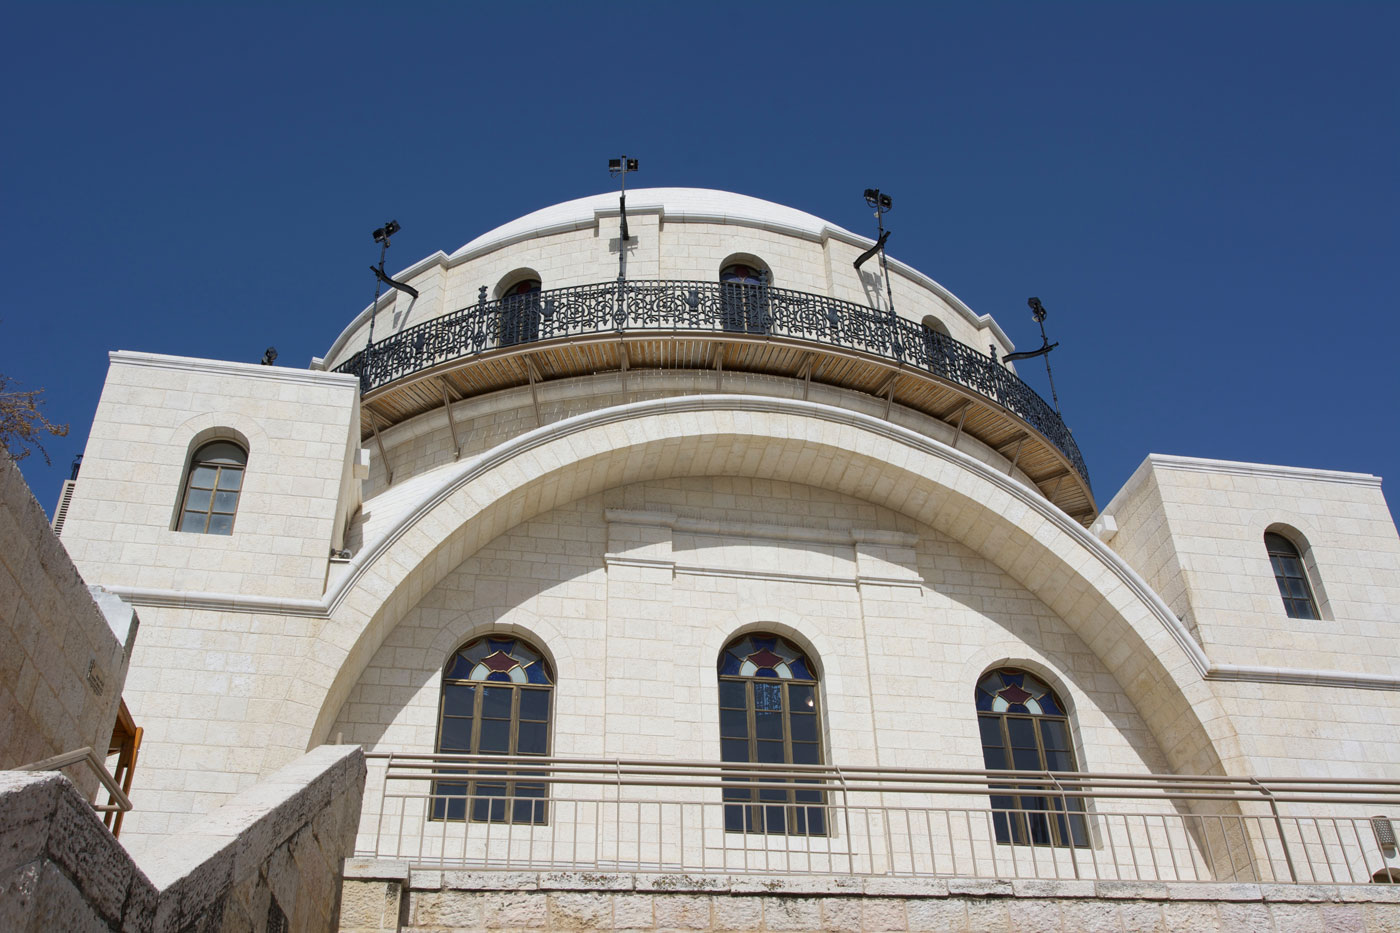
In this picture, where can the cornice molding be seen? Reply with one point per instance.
(1241, 468)
(224, 368)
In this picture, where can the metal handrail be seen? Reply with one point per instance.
(605, 814)
(742, 312)
(88, 756)
(871, 779)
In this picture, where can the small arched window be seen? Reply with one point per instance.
(769, 713)
(1291, 577)
(1024, 728)
(496, 701)
(212, 486)
(744, 303)
(520, 312)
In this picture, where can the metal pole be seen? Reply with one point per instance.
(378, 285)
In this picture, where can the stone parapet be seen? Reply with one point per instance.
(268, 860)
(487, 901)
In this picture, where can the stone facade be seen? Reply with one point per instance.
(631, 523)
(464, 902)
(63, 650)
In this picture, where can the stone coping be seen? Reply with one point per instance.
(854, 885)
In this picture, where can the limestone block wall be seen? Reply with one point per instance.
(466, 902)
(63, 656)
(1196, 529)
(633, 593)
(302, 433)
(267, 861)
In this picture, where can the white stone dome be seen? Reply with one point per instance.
(697, 204)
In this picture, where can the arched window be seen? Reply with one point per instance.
(769, 713)
(1291, 577)
(744, 298)
(938, 345)
(212, 485)
(495, 700)
(1024, 728)
(520, 311)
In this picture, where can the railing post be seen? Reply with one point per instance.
(1069, 824)
(1278, 822)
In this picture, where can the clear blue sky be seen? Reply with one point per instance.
(1205, 196)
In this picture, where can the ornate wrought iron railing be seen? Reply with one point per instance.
(670, 305)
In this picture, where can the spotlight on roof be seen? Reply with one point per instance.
(1037, 309)
(619, 166)
(382, 234)
(269, 356)
(881, 202)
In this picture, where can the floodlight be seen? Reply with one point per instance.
(382, 234)
(1037, 309)
(875, 199)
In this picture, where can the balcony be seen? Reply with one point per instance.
(681, 325)
(489, 813)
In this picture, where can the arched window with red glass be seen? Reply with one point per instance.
(496, 700)
(520, 309)
(770, 713)
(1024, 727)
(744, 306)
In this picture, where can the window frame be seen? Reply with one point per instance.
(188, 488)
(1281, 578)
(472, 804)
(1056, 821)
(756, 810)
(744, 305)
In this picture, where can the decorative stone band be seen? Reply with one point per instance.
(459, 475)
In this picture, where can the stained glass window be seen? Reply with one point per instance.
(744, 298)
(212, 488)
(769, 713)
(1024, 728)
(496, 696)
(520, 312)
(1292, 579)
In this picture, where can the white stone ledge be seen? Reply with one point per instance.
(1241, 468)
(776, 885)
(225, 368)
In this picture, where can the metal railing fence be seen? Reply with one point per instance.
(744, 311)
(489, 812)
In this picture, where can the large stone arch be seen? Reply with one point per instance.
(1103, 600)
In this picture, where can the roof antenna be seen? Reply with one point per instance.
(621, 167)
(381, 236)
(1038, 312)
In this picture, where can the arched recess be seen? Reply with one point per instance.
(1103, 600)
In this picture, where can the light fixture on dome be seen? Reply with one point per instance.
(882, 202)
(616, 168)
(381, 236)
(1038, 314)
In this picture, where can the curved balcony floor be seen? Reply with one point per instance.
(704, 326)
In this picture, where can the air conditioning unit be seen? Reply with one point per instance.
(65, 497)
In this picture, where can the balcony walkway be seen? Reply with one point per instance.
(681, 325)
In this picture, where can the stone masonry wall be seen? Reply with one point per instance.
(375, 901)
(63, 657)
(269, 860)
